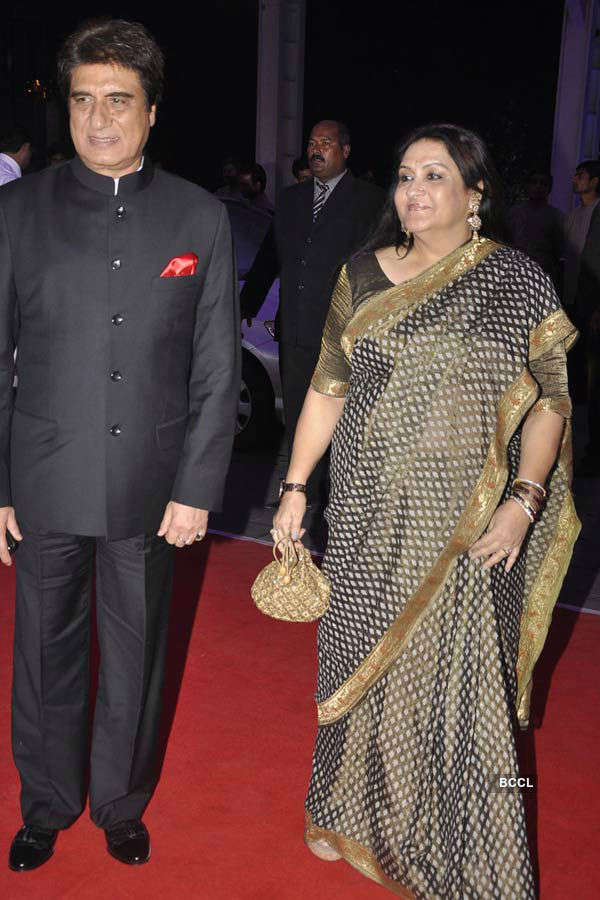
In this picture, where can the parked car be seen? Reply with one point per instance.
(260, 406)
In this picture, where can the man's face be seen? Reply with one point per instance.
(230, 175)
(248, 188)
(109, 118)
(303, 175)
(326, 157)
(25, 154)
(582, 183)
(538, 187)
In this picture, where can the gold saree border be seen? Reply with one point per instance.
(357, 855)
(537, 615)
(395, 300)
(556, 327)
(515, 403)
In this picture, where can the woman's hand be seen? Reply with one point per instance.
(287, 521)
(504, 536)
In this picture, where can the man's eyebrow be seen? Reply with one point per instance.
(110, 94)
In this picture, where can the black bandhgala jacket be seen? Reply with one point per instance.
(128, 383)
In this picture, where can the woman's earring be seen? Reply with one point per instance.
(473, 219)
(406, 232)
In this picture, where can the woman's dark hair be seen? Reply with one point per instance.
(116, 42)
(475, 164)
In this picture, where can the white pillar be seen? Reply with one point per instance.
(280, 89)
(577, 112)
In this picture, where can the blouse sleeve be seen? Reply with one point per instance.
(550, 372)
(332, 373)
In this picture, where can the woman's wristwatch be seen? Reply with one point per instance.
(290, 486)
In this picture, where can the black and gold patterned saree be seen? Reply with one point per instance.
(425, 659)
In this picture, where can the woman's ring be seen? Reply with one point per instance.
(180, 539)
(199, 536)
(506, 549)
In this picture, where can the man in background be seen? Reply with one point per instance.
(301, 169)
(230, 178)
(582, 298)
(15, 153)
(318, 224)
(537, 227)
(253, 184)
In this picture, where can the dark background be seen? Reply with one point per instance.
(382, 68)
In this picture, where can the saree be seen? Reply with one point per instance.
(425, 660)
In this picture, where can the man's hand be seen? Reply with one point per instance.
(182, 525)
(7, 520)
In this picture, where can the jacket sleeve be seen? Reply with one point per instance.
(214, 385)
(260, 277)
(8, 298)
(588, 285)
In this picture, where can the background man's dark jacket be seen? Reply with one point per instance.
(308, 255)
(128, 383)
(587, 298)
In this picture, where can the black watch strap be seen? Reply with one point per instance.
(290, 486)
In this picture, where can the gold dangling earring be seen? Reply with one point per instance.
(406, 232)
(473, 219)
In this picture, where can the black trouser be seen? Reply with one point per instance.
(51, 674)
(297, 365)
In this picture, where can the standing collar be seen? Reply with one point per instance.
(105, 184)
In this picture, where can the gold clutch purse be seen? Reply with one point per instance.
(291, 588)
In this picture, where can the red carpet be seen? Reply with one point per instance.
(227, 819)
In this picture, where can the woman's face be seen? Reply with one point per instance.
(431, 195)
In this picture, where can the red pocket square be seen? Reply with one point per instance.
(180, 265)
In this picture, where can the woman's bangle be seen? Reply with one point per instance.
(526, 509)
(534, 484)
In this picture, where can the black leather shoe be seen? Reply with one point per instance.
(32, 847)
(129, 842)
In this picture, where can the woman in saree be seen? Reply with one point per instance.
(442, 388)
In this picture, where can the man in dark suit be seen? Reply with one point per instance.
(117, 288)
(587, 310)
(318, 224)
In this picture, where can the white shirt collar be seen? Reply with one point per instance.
(12, 164)
(333, 182)
(116, 180)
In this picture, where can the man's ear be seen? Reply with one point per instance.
(346, 150)
(152, 115)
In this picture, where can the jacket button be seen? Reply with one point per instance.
(302, 262)
(116, 376)
(115, 264)
(117, 319)
(301, 286)
(120, 212)
(115, 430)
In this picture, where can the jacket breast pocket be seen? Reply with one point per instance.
(176, 284)
(172, 433)
(174, 298)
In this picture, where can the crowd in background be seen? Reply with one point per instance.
(566, 246)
